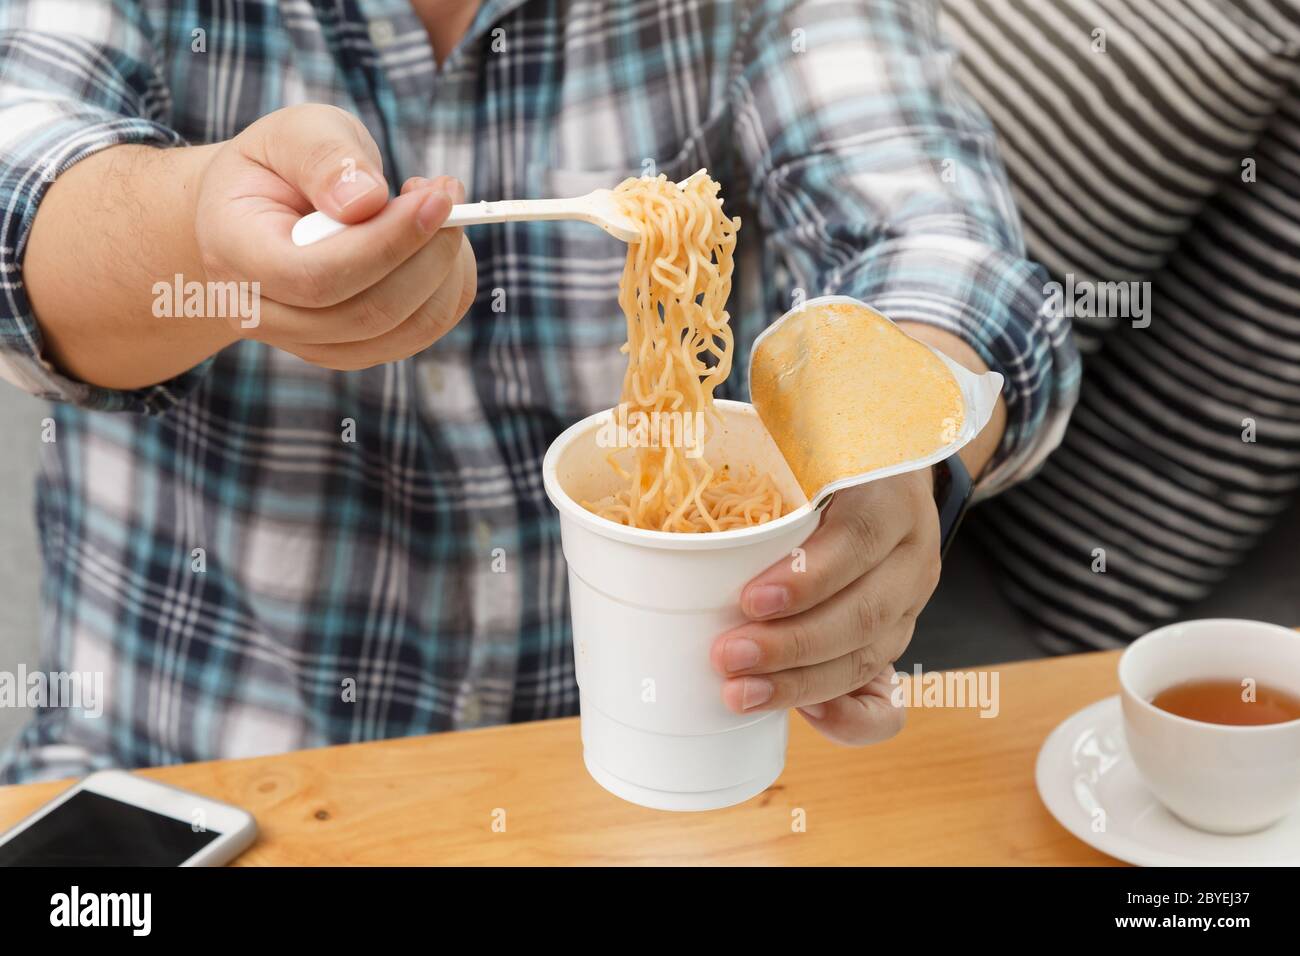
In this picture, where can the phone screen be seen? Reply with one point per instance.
(90, 829)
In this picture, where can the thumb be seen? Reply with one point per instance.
(328, 156)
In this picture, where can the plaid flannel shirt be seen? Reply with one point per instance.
(411, 580)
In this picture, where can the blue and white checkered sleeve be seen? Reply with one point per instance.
(877, 177)
(82, 82)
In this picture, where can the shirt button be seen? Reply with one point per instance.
(471, 710)
(381, 33)
(433, 377)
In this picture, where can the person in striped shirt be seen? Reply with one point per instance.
(320, 518)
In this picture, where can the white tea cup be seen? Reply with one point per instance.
(1224, 778)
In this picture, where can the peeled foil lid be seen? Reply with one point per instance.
(849, 397)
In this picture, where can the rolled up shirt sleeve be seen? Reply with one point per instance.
(876, 177)
(70, 86)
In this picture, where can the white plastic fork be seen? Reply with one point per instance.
(597, 207)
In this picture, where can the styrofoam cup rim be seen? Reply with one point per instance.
(669, 540)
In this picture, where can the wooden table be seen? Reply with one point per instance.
(953, 788)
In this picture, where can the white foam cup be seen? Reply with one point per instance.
(647, 606)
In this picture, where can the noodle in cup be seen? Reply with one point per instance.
(673, 293)
(646, 607)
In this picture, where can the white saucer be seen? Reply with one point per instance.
(1085, 766)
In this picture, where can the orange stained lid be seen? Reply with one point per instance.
(845, 392)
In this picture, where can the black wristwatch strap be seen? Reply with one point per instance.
(952, 492)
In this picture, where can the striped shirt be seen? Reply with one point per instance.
(261, 554)
(1179, 170)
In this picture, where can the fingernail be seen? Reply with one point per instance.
(456, 190)
(431, 212)
(754, 692)
(766, 599)
(348, 191)
(739, 653)
(815, 711)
